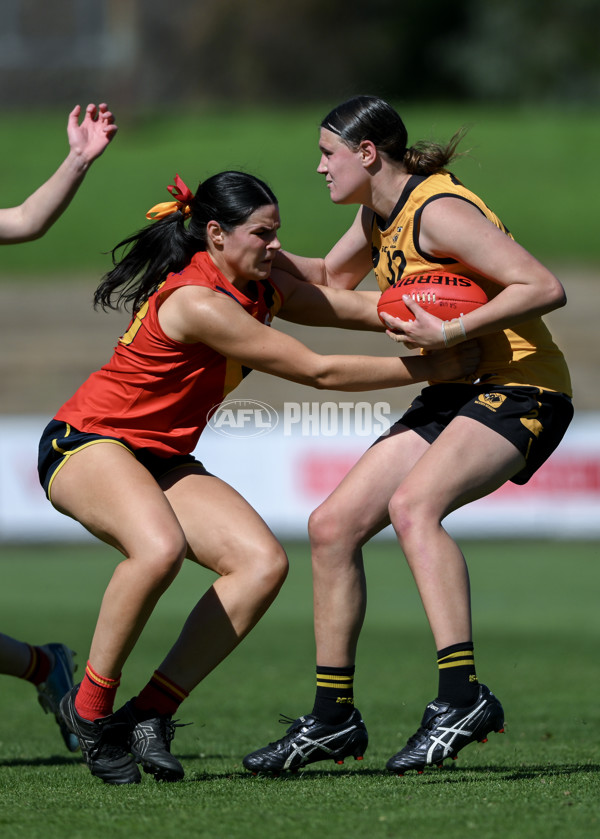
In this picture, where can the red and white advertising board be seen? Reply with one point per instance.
(285, 473)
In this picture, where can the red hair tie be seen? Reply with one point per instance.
(182, 195)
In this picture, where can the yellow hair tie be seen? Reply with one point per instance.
(182, 196)
(166, 208)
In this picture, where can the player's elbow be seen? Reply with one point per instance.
(320, 374)
(27, 224)
(556, 296)
(320, 382)
(324, 384)
(35, 233)
(561, 298)
(20, 236)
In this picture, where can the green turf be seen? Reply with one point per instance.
(532, 166)
(537, 634)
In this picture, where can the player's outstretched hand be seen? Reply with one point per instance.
(455, 362)
(89, 138)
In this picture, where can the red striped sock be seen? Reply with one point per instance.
(96, 695)
(161, 695)
(39, 666)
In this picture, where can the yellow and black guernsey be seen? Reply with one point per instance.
(523, 355)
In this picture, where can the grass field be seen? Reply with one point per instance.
(533, 166)
(537, 637)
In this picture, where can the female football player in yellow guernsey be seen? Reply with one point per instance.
(457, 442)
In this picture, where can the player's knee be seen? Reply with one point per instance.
(164, 557)
(403, 512)
(325, 527)
(270, 567)
(276, 566)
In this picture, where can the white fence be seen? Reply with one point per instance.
(286, 471)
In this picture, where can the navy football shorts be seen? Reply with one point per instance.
(60, 440)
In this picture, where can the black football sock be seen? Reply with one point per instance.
(39, 666)
(161, 696)
(458, 683)
(334, 700)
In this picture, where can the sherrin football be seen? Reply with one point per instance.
(444, 295)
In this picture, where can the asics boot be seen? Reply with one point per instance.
(103, 742)
(308, 740)
(150, 744)
(59, 681)
(445, 730)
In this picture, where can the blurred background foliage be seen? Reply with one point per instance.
(150, 53)
(201, 85)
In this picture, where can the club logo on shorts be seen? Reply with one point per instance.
(492, 401)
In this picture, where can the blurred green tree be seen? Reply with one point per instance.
(144, 53)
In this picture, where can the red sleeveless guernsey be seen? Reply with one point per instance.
(156, 393)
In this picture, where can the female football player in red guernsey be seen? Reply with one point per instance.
(456, 443)
(117, 456)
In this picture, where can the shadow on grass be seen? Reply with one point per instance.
(443, 775)
(436, 775)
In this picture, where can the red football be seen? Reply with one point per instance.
(444, 295)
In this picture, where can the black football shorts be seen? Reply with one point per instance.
(532, 419)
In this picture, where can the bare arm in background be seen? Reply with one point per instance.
(87, 140)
